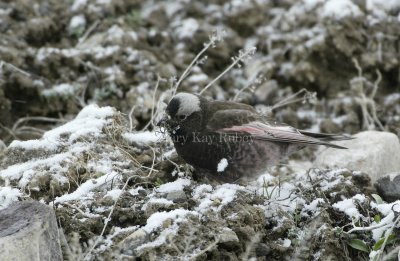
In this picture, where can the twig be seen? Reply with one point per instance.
(367, 228)
(11, 132)
(79, 210)
(376, 84)
(29, 130)
(358, 67)
(154, 100)
(242, 56)
(35, 118)
(388, 233)
(81, 98)
(130, 117)
(88, 32)
(291, 99)
(153, 163)
(88, 253)
(240, 91)
(214, 38)
(151, 121)
(205, 250)
(15, 68)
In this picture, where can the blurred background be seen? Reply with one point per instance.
(58, 56)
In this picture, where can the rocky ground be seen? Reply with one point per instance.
(117, 186)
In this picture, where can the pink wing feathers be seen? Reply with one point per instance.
(262, 131)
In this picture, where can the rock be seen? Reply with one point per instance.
(373, 152)
(228, 236)
(28, 231)
(388, 187)
(135, 239)
(177, 196)
(266, 92)
(263, 249)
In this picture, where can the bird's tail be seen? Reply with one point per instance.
(328, 137)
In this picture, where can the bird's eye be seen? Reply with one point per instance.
(182, 117)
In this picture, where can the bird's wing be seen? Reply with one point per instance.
(263, 131)
(227, 118)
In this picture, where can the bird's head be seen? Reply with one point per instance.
(183, 114)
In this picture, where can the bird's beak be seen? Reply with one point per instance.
(163, 121)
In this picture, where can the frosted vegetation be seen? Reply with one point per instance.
(114, 179)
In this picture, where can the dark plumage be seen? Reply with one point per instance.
(209, 134)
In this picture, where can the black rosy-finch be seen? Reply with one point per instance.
(230, 140)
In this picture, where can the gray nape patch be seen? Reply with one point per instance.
(188, 103)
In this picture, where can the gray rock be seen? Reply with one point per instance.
(134, 240)
(228, 236)
(28, 231)
(177, 196)
(373, 152)
(388, 187)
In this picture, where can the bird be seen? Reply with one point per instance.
(229, 141)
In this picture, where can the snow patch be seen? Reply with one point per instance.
(8, 195)
(188, 28)
(339, 9)
(313, 206)
(142, 138)
(24, 170)
(157, 220)
(348, 207)
(115, 33)
(77, 21)
(286, 242)
(114, 194)
(78, 4)
(63, 89)
(217, 199)
(135, 191)
(177, 185)
(157, 201)
(84, 189)
(99, 52)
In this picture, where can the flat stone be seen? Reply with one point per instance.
(373, 152)
(28, 231)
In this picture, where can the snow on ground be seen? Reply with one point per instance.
(8, 195)
(215, 199)
(187, 28)
(157, 220)
(64, 89)
(312, 207)
(79, 137)
(347, 206)
(338, 9)
(388, 211)
(78, 4)
(77, 21)
(61, 147)
(143, 138)
(157, 201)
(89, 121)
(177, 185)
(85, 188)
(98, 52)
